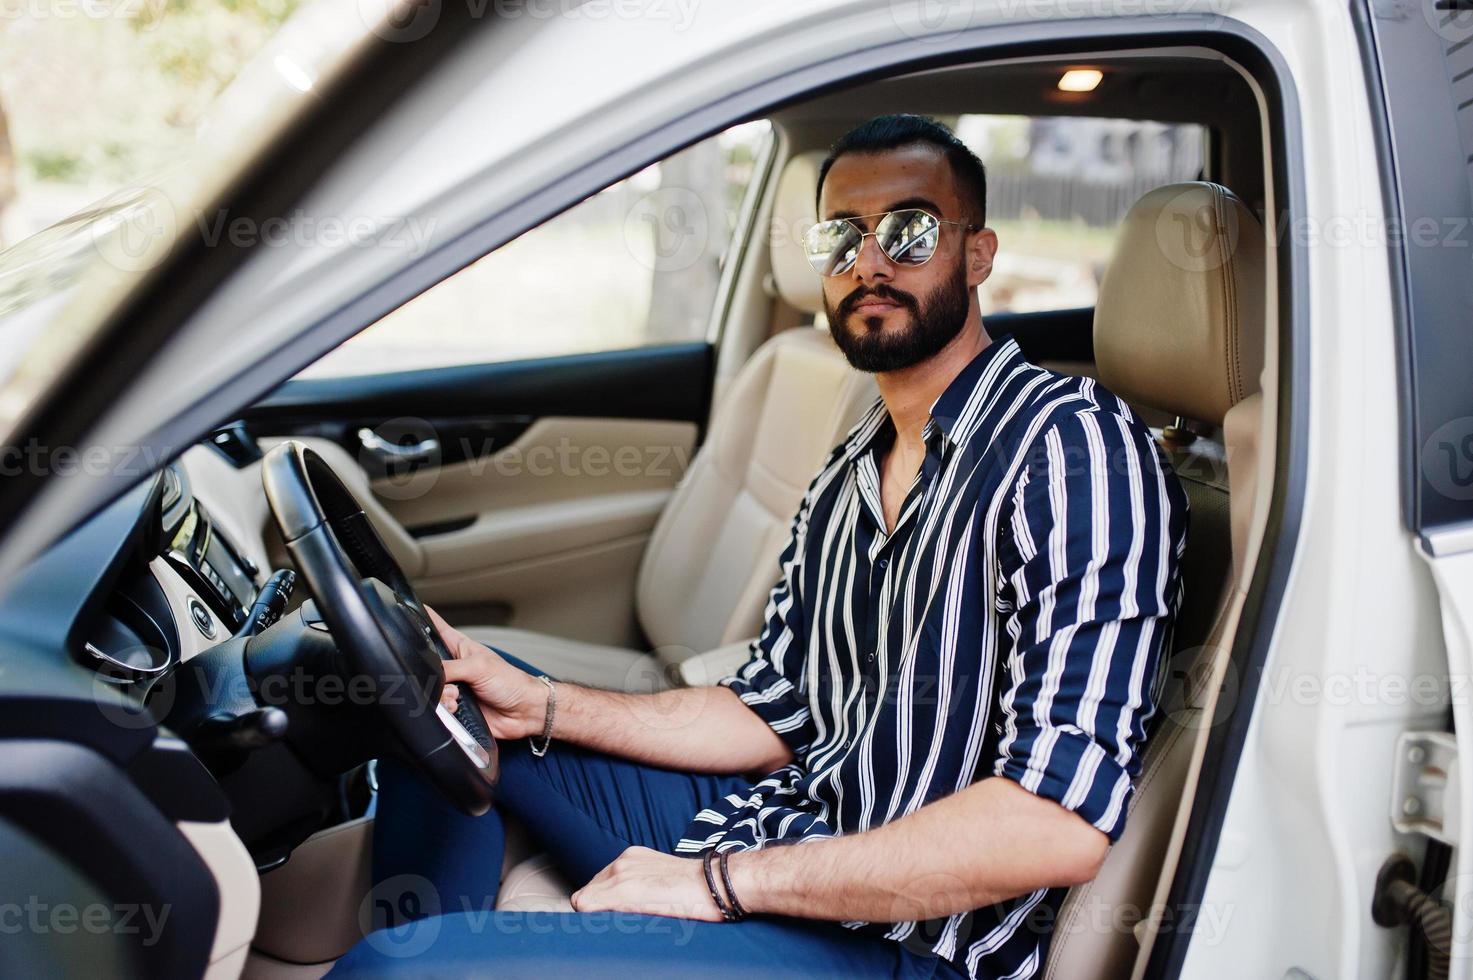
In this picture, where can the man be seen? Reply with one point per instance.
(948, 699)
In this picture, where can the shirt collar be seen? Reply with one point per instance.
(957, 414)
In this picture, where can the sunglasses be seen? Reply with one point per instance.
(908, 236)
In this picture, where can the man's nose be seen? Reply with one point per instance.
(872, 264)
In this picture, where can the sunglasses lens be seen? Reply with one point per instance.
(909, 237)
(832, 247)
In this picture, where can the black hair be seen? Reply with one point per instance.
(905, 129)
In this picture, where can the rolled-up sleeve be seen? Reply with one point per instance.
(1089, 553)
(772, 682)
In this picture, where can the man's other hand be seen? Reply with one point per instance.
(651, 882)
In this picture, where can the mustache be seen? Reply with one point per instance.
(848, 303)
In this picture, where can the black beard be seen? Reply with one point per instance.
(934, 324)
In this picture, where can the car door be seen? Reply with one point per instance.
(1424, 91)
(516, 430)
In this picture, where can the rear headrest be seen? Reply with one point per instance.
(1179, 319)
(793, 213)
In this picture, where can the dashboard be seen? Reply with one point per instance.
(154, 657)
(95, 635)
(182, 578)
(164, 634)
(201, 550)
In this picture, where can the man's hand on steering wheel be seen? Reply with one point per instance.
(380, 629)
(513, 702)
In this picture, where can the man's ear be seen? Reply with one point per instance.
(981, 248)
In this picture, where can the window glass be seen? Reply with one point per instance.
(634, 265)
(1057, 189)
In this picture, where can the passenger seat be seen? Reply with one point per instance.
(1180, 327)
(712, 559)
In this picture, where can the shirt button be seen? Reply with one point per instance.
(882, 563)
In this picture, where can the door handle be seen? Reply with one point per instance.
(395, 453)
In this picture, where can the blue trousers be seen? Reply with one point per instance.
(436, 874)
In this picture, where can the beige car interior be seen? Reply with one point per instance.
(540, 530)
(676, 569)
(711, 560)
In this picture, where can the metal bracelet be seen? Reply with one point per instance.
(540, 750)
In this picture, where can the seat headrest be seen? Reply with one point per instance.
(1179, 323)
(793, 213)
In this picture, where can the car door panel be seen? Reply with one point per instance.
(584, 594)
(518, 493)
(564, 566)
(548, 533)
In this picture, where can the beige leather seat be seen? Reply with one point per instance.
(1179, 326)
(712, 559)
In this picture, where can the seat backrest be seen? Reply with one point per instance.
(712, 559)
(1179, 326)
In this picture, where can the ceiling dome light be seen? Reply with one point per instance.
(1080, 80)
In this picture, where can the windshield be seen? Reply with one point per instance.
(91, 170)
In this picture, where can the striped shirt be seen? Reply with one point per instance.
(1014, 623)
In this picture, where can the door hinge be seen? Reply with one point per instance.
(1424, 781)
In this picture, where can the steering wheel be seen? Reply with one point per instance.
(379, 625)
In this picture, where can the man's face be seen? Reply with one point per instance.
(884, 315)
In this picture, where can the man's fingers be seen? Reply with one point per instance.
(586, 899)
(448, 633)
(459, 670)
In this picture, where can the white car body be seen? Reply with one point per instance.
(538, 111)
